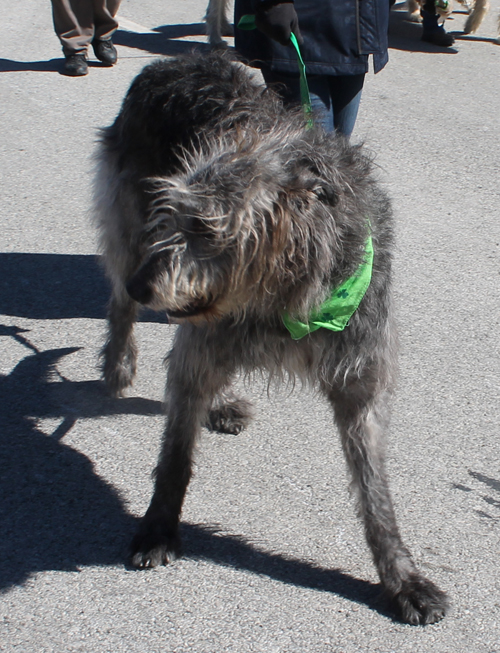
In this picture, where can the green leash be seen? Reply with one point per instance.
(335, 312)
(247, 22)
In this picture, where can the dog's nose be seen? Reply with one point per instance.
(140, 290)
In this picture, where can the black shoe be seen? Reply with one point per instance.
(438, 37)
(433, 32)
(76, 65)
(105, 51)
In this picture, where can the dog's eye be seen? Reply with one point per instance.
(326, 194)
(201, 237)
(198, 227)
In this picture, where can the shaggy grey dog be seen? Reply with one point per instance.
(217, 206)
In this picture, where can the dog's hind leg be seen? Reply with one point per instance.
(119, 354)
(414, 7)
(360, 408)
(479, 11)
(198, 369)
(217, 23)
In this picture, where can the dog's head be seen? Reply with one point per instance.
(224, 237)
(187, 257)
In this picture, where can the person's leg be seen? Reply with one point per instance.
(73, 24)
(334, 99)
(433, 32)
(105, 24)
(104, 18)
(345, 92)
(288, 87)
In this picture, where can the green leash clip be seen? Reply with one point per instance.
(247, 22)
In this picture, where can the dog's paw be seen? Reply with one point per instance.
(218, 44)
(415, 16)
(117, 375)
(118, 381)
(118, 364)
(231, 417)
(153, 546)
(420, 601)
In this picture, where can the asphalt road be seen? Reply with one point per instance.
(274, 557)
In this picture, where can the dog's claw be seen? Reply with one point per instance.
(161, 555)
(151, 549)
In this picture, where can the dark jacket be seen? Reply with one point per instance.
(338, 37)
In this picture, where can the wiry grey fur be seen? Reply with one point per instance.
(215, 205)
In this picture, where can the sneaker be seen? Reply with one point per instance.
(76, 65)
(105, 51)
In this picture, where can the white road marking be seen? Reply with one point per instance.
(130, 26)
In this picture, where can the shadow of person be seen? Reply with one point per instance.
(461, 36)
(164, 40)
(50, 66)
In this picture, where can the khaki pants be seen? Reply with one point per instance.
(78, 22)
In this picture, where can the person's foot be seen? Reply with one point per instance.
(438, 37)
(105, 51)
(75, 65)
(433, 32)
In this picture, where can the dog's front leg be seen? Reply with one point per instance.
(361, 416)
(157, 540)
(119, 355)
(194, 378)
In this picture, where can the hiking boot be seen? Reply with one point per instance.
(75, 65)
(105, 51)
(433, 32)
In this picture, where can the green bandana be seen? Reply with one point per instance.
(335, 312)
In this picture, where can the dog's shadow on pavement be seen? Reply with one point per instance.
(210, 543)
(56, 512)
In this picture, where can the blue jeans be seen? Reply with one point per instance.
(335, 98)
